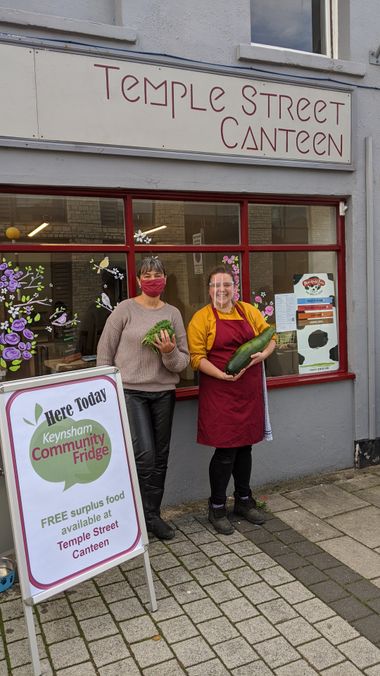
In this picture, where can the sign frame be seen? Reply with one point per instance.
(30, 598)
(52, 140)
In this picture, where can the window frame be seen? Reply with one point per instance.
(130, 248)
(330, 35)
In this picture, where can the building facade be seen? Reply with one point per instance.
(242, 132)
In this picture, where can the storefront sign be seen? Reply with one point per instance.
(317, 339)
(71, 98)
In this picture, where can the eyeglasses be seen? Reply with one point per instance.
(226, 285)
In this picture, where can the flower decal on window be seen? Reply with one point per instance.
(20, 298)
(266, 309)
(141, 238)
(232, 262)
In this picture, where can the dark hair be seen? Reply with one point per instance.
(219, 269)
(150, 263)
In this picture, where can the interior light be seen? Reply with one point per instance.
(38, 229)
(159, 227)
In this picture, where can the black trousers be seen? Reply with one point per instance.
(227, 462)
(150, 416)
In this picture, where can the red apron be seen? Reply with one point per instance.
(230, 414)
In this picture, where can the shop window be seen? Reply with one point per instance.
(303, 25)
(53, 309)
(163, 222)
(31, 219)
(297, 293)
(58, 287)
(291, 224)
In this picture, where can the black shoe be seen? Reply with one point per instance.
(160, 528)
(218, 517)
(248, 509)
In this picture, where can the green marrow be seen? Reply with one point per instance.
(241, 358)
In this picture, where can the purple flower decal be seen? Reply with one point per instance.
(3, 266)
(258, 299)
(19, 325)
(11, 353)
(11, 338)
(26, 355)
(269, 310)
(27, 332)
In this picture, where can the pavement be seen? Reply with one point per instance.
(297, 596)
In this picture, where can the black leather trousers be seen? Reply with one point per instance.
(150, 416)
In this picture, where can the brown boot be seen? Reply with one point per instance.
(248, 509)
(218, 517)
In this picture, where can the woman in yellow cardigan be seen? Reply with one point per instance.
(231, 408)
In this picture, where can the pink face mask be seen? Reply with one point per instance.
(153, 287)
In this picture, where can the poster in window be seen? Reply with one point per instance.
(197, 256)
(317, 337)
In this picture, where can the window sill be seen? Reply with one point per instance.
(282, 381)
(64, 24)
(288, 57)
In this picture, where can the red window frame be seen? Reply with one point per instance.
(130, 248)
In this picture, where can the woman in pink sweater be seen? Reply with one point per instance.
(149, 379)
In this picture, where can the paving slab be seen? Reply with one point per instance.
(151, 652)
(119, 668)
(278, 503)
(211, 667)
(361, 652)
(257, 668)
(309, 525)
(217, 630)
(354, 554)
(236, 652)
(193, 651)
(371, 494)
(171, 668)
(256, 629)
(362, 525)
(321, 654)
(358, 483)
(299, 668)
(277, 651)
(298, 631)
(325, 500)
(342, 669)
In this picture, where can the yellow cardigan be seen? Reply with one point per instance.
(202, 328)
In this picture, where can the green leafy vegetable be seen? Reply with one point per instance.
(150, 336)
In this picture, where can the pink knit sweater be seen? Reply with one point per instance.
(141, 368)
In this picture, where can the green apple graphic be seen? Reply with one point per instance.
(80, 458)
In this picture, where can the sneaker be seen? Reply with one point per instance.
(218, 517)
(160, 528)
(248, 509)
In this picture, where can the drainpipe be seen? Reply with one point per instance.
(370, 289)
